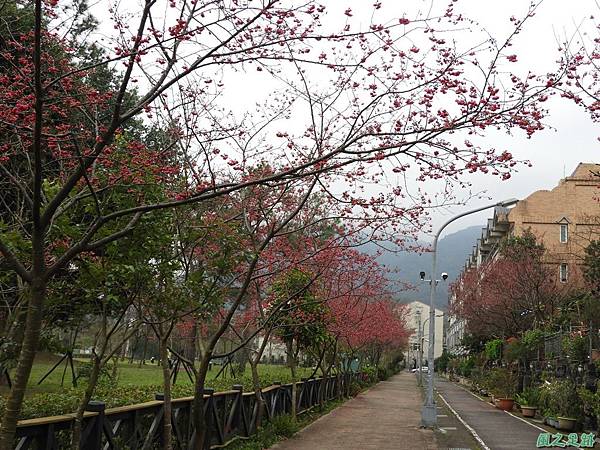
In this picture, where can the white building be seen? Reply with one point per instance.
(275, 351)
(418, 313)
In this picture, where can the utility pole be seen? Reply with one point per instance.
(428, 412)
(419, 348)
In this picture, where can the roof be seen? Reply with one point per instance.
(586, 171)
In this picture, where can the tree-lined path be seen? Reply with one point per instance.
(386, 416)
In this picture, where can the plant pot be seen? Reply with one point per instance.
(528, 411)
(505, 404)
(566, 423)
(595, 354)
(551, 421)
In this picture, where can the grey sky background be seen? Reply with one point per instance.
(552, 152)
(571, 137)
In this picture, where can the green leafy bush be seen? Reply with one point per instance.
(383, 373)
(442, 363)
(500, 381)
(84, 371)
(560, 397)
(284, 425)
(493, 349)
(466, 366)
(576, 347)
(371, 373)
(529, 397)
(532, 339)
(590, 400)
(514, 351)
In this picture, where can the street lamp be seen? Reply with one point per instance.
(422, 339)
(419, 347)
(428, 412)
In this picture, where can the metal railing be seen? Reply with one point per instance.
(229, 415)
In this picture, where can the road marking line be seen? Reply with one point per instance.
(526, 421)
(509, 413)
(467, 426)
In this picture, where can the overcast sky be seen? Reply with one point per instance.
(570, 137)
(553, 153)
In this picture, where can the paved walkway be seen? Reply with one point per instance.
(386, 417)
(497, 429)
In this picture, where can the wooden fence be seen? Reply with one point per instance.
(229, 415)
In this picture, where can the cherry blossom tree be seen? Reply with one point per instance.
(516, 291)
(350, 104)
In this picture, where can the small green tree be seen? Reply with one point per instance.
(300, 318)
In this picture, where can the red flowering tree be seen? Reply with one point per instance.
(350, 104)
(513, 292)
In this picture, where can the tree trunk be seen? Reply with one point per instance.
(292, 365)
(115, 369)
(193, 352)
(260, 401)
(143, 360)
(134, 348)
(31, 338)
(198, 416)
(14, 332)
(87, 396)
(167, 424)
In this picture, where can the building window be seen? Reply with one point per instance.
(564, 272)
(564, 233)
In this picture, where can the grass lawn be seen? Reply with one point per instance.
(130, 374)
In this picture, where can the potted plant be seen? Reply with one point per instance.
(562, 404)
(503, 383)
(548, 402)
(528, 400)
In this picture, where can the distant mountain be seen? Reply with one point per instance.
(453, 250)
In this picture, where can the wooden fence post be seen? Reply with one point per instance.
(208, 416)
(94, 437)
(161, 426)
(237, 421)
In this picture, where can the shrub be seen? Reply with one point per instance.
(529, 397)
(493, 349)
(466, 366)
(590, 400)
(85, 370)
(532, 339)
(383, 373)
(576, 347)
(441, 364)
(560, 398)
(514, 350)
(355, 388)
(501, 382)
(478, 378)
(370, 373)
(284, 425)
(66, 400)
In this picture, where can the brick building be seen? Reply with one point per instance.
(565, 219)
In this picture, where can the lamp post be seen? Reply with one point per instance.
(428, 412)
(419, 348)
(421, 339)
